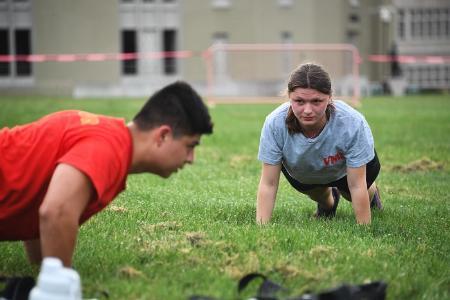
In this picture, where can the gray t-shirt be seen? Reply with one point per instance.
(346, 140)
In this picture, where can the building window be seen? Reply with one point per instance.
(401, 24)
(221, 3)
(220, 56)
(428, 76)
(353, 18)
(285, 3)
(129, 46)
(415, 26)
(20, 47)
(434, 22)
(445, 21)
(428, 23)
(286, 37)
(5, 69)
(447, 76)
(353, 3)
(169, 46)
(287, 56)
(352, 37)
(23, 47)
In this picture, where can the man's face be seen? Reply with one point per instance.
(176, 152)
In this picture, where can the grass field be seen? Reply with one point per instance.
(195, 232)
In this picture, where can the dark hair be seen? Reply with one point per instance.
(179, 106)
(308, 76)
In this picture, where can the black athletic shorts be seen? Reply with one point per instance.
(372, 171)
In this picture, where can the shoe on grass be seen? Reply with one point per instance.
(329, 213)
(376, 200)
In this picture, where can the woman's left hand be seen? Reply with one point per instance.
(356, 178)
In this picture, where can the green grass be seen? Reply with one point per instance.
(195, 233)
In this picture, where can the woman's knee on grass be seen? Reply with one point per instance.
(321, 195)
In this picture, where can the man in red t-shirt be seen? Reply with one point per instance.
(55, 173)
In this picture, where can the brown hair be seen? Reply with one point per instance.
(308, 76)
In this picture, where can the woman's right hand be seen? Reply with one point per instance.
(267, 192)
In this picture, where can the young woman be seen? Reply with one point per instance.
(324, 148)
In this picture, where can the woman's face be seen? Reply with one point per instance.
(309, 106)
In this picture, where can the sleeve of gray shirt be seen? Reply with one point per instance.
(271, 143)
(361, 145)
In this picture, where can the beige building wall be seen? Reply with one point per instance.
(264, 21)
(68, 27)
(86, 26)
(246, 22)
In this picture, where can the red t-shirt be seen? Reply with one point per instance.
(99, 146)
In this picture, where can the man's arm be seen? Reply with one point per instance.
(67, 196)
(356, 178)
(267, 192)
